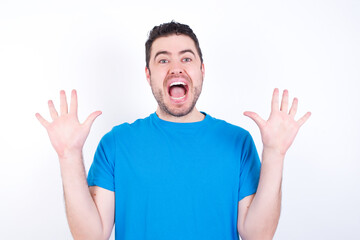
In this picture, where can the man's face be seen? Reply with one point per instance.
(175, 74)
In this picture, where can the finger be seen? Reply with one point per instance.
(275, 100)
(257, 119)
(42, 120)
(73, 102)
(53, 113)
(63, 103)
(294, 107)
(91, 118)
(284, 101)
(302, 120)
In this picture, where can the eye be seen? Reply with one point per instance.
(163, 61)
(187, 60)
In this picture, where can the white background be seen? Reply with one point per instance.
(310, 47)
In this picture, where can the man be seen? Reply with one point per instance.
(179, 173)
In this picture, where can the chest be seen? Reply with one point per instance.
(182, 164)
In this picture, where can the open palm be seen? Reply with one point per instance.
(279, 131)
(66, 133)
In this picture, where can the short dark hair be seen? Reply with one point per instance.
(166, 29)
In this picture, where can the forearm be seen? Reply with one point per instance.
(67, 136)
(259, 216)
(264, 212)
(82, 214)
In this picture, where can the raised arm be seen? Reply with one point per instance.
(259, 214)
(90, 213)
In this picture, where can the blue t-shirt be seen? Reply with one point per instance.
(176, 180)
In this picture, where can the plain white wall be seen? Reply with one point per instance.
(250, 47)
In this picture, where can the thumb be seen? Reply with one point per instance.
(91, 118)
(255, 117)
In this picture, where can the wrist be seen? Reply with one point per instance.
(273, 155)
(71, 166)
(70, 156)
(274, 151)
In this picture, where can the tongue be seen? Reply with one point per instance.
(177, 91)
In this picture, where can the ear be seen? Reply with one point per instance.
(147, 72)
(203, 70)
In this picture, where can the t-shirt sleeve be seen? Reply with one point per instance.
(101, 172)
(249, 168)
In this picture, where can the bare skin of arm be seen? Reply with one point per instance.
(258, 214)
(90, 211)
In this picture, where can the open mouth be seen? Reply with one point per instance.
(178, 90)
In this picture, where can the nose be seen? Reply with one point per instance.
(176, 69)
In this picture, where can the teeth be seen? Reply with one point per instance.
(178, 97)
(177, 83)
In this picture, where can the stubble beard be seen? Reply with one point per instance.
(158, 94)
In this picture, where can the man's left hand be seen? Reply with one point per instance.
(279, 131)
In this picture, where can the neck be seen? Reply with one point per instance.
(193, 116)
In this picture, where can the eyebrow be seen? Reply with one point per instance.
(161, 52)
(187, 51)
(168, 53)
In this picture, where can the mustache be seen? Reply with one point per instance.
(171, 76)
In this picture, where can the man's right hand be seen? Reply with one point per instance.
(90, 212)
(66, 133)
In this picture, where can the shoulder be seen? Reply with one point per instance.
(229, 128)
(128, 128)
